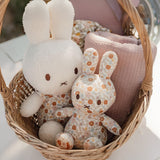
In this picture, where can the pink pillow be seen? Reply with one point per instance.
(135, 2)
(108, 13)
(129, 73)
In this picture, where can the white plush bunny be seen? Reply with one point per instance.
(52, 63)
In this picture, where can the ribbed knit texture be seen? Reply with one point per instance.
(130, 70)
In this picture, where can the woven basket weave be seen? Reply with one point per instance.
(26, 128)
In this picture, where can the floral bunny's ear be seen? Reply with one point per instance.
(61, 18)
(108, 64)
(90, 61)
(36, 21)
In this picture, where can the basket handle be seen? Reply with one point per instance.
(3, 6)
(137, 21)
(4, 90)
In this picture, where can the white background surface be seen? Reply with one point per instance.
(143, 145)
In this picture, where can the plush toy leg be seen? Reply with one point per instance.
(64, 141)
(92, 143)
(49, 130)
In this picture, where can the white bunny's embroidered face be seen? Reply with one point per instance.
(93, 93)
(53, 71)
(51, 65)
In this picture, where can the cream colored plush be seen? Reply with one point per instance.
(50, 63)
(61, 11)
(31, 105)
(48, 130)
(36, 21)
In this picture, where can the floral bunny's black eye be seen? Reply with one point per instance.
(76, 70)
(99, 102)
(47, 77)
(77, 96)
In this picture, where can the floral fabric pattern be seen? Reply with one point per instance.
(82, 27)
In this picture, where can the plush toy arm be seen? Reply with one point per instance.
(111, 125)
(64, 112)
(31, 105)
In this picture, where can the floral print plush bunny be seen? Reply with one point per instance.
(92, 96)
(51, 64)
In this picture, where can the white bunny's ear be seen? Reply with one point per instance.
(61, 18)
(36, 21)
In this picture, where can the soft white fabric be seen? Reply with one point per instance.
(36, 21)
(58, 58)
(50, 65)
(49, 130)
(61, 17)
(31, 105)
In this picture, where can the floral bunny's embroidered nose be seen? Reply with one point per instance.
(86, 106)
(64, 83)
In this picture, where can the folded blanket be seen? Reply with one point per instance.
(129, 73)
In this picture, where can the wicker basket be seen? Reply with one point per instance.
(26, 128)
